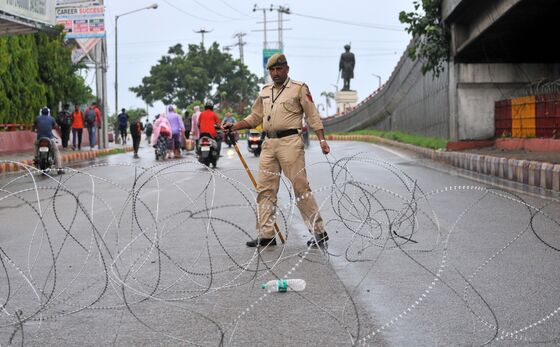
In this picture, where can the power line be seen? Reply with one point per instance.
(364, 25)
(206, 19)
(236, 10)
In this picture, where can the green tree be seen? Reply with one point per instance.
(431, 41)
(182, 78)
(37, 71)
(328, 97)
(136, 113)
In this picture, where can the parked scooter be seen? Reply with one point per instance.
(208, 150)
(254, 142)
(45, 154)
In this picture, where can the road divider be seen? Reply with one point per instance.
(13, 166)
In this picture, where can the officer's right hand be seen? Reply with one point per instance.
(227, 127)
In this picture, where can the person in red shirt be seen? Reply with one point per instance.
(77, 127)
(207, 120)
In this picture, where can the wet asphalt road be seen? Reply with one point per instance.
(133, 252)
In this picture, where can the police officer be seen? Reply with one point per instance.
(280, 107)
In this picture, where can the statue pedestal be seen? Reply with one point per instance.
(345, 100)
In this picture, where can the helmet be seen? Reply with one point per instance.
(209, 105)
(45, 111)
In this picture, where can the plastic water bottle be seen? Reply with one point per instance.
(284, 285)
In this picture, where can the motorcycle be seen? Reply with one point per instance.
(254, 142)
(45, 155)
(208, 150)
(160, 148)
(228, 138)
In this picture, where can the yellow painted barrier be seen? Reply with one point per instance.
(523, 116)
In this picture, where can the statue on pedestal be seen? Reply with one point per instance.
(346, 67)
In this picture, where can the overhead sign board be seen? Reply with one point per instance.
(76, 2)
(267, 53)
(41, 11)
(82, 22)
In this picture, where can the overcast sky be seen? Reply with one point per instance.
(312, 45)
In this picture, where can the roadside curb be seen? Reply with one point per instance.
(13, 166)
(533, 173)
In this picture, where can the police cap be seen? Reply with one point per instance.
(276, 59)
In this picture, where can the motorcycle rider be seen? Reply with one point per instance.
(44, 124)
(207, 121)
(229, 119)
(161, 127)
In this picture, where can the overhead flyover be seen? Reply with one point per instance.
(498, 49)
(503, 31)
(23, 17)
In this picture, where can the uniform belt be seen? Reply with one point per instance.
(281, 133)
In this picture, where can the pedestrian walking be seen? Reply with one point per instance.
(195, 132)
(92, 117)
(64, 121)
(280, 107)
(149, 130)
(122, 120)
(177, 129)
(136, 129)
(77, 127)
(187, 121)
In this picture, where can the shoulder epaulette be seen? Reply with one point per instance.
(297, 82)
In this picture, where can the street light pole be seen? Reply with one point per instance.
(152, 6)
(378, 78)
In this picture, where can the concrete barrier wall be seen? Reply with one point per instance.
(457, 105)
(479, 86)
(409, 102)
(24, 141)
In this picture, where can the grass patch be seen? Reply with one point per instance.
(112, 151)
(417, 140)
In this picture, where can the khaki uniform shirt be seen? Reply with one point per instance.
(282, 108)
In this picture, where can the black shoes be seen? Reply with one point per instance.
(319, 240)
(261, 242)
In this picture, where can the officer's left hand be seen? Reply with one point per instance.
(325, 147)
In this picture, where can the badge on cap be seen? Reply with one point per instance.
(276, 59)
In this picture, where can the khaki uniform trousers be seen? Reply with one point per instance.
(284, 155)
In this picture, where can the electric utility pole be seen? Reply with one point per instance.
(267, 50)
(281, 11)
(240, 43)
(202, 31)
